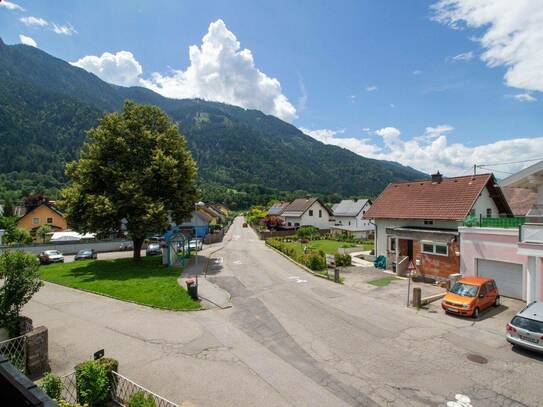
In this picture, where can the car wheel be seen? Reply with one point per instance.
(476, 313)
(497, 302)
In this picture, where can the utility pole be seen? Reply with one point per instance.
(474, 169)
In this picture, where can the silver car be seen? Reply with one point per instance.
(526, 328)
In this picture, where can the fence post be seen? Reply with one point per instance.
(37, 352)
(417, 296)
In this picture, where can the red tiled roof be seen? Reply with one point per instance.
(450, 199)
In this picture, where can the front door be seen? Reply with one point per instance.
(410, 249)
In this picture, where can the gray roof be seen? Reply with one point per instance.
(277, 208)
(349, 207)
(300, 205)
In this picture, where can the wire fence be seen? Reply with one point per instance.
(121, 390)
(15, 351)
(502, 222)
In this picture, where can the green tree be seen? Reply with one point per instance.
(43, 231)
(134, 172)
(19, 270)
(306, 232)
(13, 234)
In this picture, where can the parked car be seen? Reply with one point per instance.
(86, 254)
(153, 249)
(526, 328)
(51, 256)
(126, 245)
(195, 244)
(471, 295)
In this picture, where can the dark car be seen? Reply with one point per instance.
(153, 249)
(86, 254)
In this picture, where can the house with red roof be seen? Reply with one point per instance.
(418, 221)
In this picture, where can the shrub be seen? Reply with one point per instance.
(343, 260)
(64, 403)
(315, 261)
(92, 383)
(19, 270)
(109, 364)
(138, 399)
(52, 385)
(306, 232)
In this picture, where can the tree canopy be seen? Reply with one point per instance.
(135, 173)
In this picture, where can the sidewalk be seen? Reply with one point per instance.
(211, 295)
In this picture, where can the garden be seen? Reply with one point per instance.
(145, 282)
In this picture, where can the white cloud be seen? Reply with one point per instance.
(67, 29)
(525, 97)
(417, 72)
(432, 150)
(220, 70)
(34, 21)
(464, 56)
(10, 5)
(27, 40)
(120, 69)
(513, 34)
(371, 88)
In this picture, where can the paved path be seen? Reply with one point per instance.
(290, 339)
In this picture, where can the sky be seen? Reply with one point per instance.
(436, 85)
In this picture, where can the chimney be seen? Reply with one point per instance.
(437, 178)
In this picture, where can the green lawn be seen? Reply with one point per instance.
(381, 282)
(327, 246)
(147, 282)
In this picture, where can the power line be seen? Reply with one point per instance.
(512, 162)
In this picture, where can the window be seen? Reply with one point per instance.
(428, 222)
(488, 212)
(289, 224)
(437, 248)
(392, 244)
(35, 221)
(49, 220)
(311, 212)
(320, 213)
(349, 223)
(296, 224)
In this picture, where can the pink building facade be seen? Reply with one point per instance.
(497, 253)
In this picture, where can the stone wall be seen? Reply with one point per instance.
(37, 352)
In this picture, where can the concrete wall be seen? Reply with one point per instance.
(68, 247)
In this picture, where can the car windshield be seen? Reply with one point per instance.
(84, 252)
(528, 324)
(52, 252)
(153, 245)
(465, 290)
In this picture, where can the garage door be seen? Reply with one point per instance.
(508, 276)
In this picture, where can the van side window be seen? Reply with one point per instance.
(483, 290)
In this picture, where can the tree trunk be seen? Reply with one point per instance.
(138, 242)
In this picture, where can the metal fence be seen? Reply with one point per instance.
(121, 390)
(15, 351)
(501, 222)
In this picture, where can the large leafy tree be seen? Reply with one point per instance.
(134, 172)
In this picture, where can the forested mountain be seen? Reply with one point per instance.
(244, 156)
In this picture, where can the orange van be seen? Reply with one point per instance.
(471, 295)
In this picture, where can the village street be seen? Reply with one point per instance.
(290, 339)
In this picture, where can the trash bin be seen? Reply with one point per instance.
(192, 288)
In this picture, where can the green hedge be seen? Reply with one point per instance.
(315, 261)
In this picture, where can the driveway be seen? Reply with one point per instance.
(290, 339)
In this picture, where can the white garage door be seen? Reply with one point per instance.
(508, 276)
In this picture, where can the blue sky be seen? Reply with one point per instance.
(435, 85)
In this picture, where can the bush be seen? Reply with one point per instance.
(52, 385)
(64, 403)
(138, 399)
(315, 261)
(307, 232)
(92, 383)
(343, 260)
(19, 270)
(109, 364)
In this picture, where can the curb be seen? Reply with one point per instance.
(306, 269)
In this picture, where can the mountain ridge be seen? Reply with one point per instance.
(244, 156)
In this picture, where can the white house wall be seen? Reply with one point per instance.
(483, 202)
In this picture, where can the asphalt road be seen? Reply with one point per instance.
(290, 339)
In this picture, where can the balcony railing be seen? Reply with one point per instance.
(512, 222)
(531, 233)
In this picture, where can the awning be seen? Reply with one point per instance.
(414, 233)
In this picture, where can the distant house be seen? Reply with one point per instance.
(306, 212)
(43, 214)
(349, 218)
(199, 223)
(217, 216)
(419, 220)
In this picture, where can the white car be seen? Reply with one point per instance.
(195, 244)
(51, 256)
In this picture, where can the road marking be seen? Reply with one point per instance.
(293, 278)
(461, 401)
(301, 281)
(237, 262)
(297, 279)
(236, 237)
